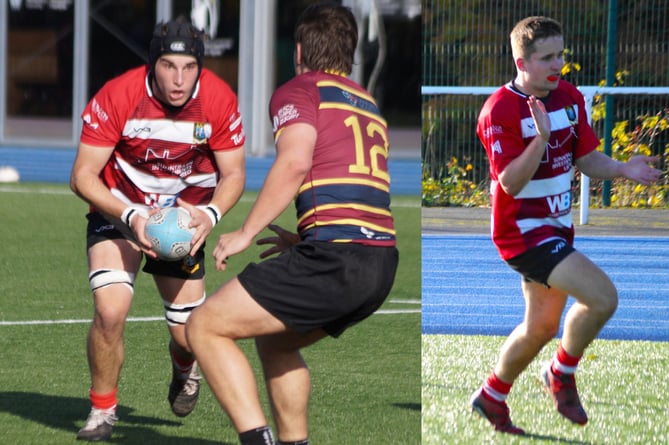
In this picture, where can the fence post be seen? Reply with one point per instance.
(589, 97)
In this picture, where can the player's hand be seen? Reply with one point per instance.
(200, 221)
(281, 242)
(638, 168)
(230, 244)
(138, 225)
(542, 120)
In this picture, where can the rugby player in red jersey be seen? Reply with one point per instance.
(534, 129)
(164, 134)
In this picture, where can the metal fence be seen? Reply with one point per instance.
(466, 44)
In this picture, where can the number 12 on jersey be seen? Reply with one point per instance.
(361, 166)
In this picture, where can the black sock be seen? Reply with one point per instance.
(299, 442)
(257, 436)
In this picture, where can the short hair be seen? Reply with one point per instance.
(527, 31)
(328, 35)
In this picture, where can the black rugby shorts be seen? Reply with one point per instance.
(318, 284)
(538, 262)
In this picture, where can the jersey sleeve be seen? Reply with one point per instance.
(292, 103)
(225, 118)
(103, 117)
(498, 129)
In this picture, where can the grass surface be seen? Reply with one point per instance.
(622, 385)
(366, 384)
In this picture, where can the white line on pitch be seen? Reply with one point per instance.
(135, 319)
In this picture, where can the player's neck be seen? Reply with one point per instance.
(525, 88)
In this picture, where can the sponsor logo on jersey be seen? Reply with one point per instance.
(559, 203)
(492, 130)
(497, 148)
(99, 112)
(286, 113)
(87, 119)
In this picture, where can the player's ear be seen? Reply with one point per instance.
(520, 64)
(298, 58)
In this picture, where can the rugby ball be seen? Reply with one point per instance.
(169, 234)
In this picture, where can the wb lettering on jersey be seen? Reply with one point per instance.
(559, 203)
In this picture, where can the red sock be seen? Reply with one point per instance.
(103, 401)
(184, 366)
(563, 363)
(495, 389)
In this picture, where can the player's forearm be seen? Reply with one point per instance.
(520, 171)
(90, 188)
(228, 191)
(277, 193)
(598, 165)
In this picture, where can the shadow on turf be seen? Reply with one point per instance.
(555, 439)
(68, 414)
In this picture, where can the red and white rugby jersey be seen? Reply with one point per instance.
(542, 210)
(346, 195)
(161, 153)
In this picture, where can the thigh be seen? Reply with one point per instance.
(582, 279)
(543, 305)
(114, 254)
(231, 312)
(179, 291)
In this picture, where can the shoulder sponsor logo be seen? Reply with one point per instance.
(87, 120)
(99, 112)
(492, 130)
(286, 113)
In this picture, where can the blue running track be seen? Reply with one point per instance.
(468, 289)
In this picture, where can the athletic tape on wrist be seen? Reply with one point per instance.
(127, 215)
(212, 212)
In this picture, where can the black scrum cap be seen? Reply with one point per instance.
(176, 37)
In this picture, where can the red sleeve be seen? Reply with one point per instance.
(223, 108)
(498, 129)
(106, 113)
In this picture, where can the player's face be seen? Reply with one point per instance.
(175, 78)
(540, 72)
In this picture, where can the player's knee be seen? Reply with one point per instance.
(604, 301)
(178, 314)
(608, 303)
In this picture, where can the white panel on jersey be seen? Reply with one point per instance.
(539, 188)
(560, 119)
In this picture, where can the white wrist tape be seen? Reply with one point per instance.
(127, 215)
(212, 212)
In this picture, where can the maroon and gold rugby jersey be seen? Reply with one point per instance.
(161, 153)
(346, 195)
(542, 210)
